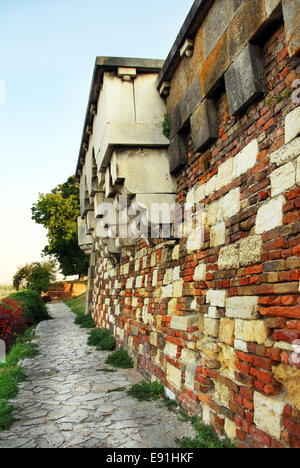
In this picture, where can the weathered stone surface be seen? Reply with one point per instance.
(245, 79)
(242, 307)
(204, 125)
(211, 327)
(184, 322)
(190, 372)
(174, 375)
(246, 159)
(271, 6)
(289, 377)
(283, 178)
(225, 174)
(270, 215)
(286, 153)
(227, 327)
(251, 331)
(217, 235)
(175, 120)
(268, 414)
(228, 258)
(230, 204)
(216, 298)
(292, 125)
(190, 101)
(240, 345)
(200, 272)
(250, 250)
(177, 152)
(298, 172)
(230, 428)
(291, 14)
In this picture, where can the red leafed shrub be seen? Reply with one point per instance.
(12, 321)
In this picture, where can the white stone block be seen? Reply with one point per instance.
(139, 281)
(174, 375)
(298, 172)
(240, 345)
(210, 186)
(184, 322)
(167, 291)
(216, 298)
(168, 276)
(176, 273)
(283, 178)
(213, 213)
(270, 215)
(286, 153)
(154, 278)
(200, 272)
(217, 235)
(246, 159)
(292, 125)
(171, 350)
(231, 204)
(229, 258)
(211, 327)
(226, 174)
(190, 372)
(242, 307)
(268, 414)
(213, 313)
(199, 193)
(189, 357)
(250, 250)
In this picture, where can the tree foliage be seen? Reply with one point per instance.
(57, 211)
(35, 276)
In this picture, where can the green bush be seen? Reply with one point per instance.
(6, 415)
(85, 321)
(147, 391)
(32, 305)
(102, 339)
(206, 437)
(120, 359)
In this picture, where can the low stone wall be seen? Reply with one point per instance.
(66, 290)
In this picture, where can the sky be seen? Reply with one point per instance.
(47, 55)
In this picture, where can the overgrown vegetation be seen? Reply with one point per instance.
(77, 305)
(120, 359)
(102, 339)
(206, 437)
(145, 391)
(166, 127)
(11, 375)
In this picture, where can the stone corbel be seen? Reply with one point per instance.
(187, 49)
(127, 74)
(165, 88)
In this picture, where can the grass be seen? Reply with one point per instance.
(145, 391)
(102, 339)
(11, 375)
(206, 437)
(120, 359)
(77, 305)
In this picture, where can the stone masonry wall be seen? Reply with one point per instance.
(217, 326)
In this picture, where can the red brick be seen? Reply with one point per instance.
(289, 312)
(262, 363)
(292, 427)
(260, 436)
(287, 335)
(247, 393)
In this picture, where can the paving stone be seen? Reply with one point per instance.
(70, 406)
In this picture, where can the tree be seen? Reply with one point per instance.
(57, 211)
(36, 276)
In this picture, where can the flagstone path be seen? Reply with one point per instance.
(65, 401)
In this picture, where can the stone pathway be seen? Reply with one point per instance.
(64, 401)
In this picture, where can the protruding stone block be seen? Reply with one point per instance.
(177, 153)
(184, 322)
(250, 250)
(174, 376)
(229, 258)
(245, 79)
(286, 153)
(242, 307)
(269, 216)
(292, 125)
(204, 125)
(246, 159)
(216, 298)
(200, 272)
(190, 101)
(283, 178)
(217, 235)
(251, 331)
(211, 327)
(268, 414)
(226, 334)
(291, 14)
